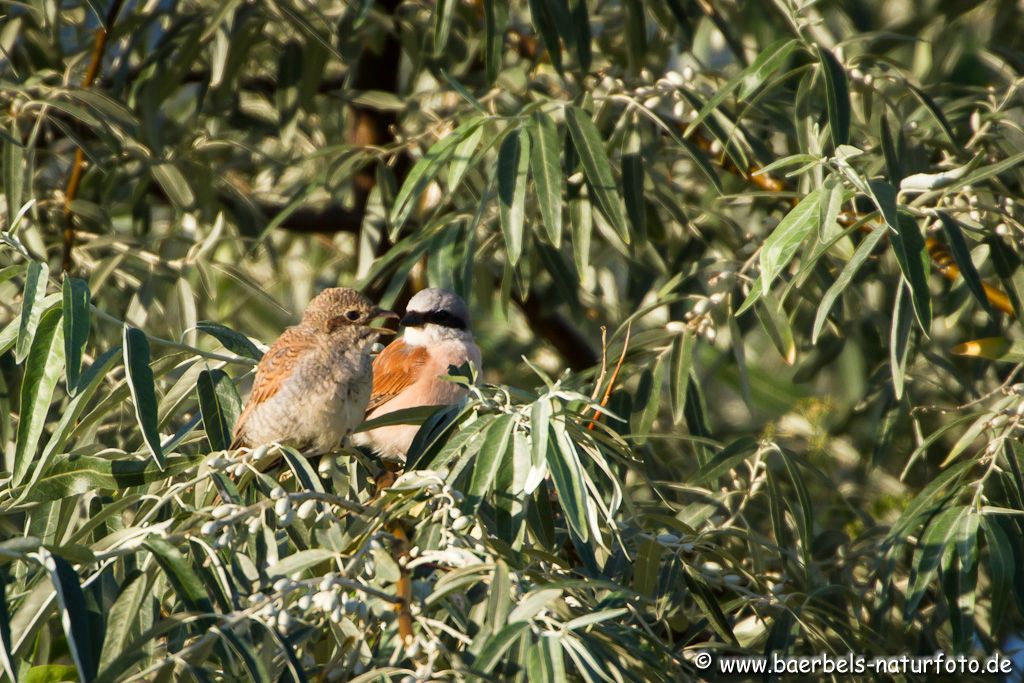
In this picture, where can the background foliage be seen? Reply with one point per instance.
(790, 218)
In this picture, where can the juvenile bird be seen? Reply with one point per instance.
(313, 386)
(407, 373)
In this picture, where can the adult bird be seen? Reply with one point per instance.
(313, 386)
(407, 373)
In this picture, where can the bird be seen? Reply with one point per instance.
(407, 373)
(313, 385)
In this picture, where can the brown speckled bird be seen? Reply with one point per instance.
(313, 385)
(407, 374)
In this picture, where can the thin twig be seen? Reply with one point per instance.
(604, 364)
(615, 376)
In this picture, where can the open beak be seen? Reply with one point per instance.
(383, 314)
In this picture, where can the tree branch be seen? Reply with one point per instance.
(99, 47)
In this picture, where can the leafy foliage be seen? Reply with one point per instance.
(794, 229)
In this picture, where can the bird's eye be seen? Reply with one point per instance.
(352, 315)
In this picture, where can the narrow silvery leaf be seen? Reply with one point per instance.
(837, 93)
(76, 327)
(513, 160)
(425, 170)
(751, 78)
(546, 167)
(564, 463)
(540, 417)
(909, 247)
(461, 158)
(485, 467)
(962, 256)
(31, 307)
(43, 369)
(784, 241)
(140, 383)
(633, 185)
(6, 643)
(13, 173)
(219, 405)
(443, 13)
(233, 341)
(598, 169)
(860, 256)
(73, 615)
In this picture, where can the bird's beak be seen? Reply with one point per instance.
(383, 314)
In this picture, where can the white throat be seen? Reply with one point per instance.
(431, 334)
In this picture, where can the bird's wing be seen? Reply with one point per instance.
(395, 369)
(274, 368)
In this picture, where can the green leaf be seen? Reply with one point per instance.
(780, 246)
(51, 673)
(899, 340)
(768, 62)
(498, 598)
(962, 256)
(300, 561)
(542, 17)
(90, 383)
(219, 405)
(645, 567)
(860, 256)
(13, 171)
(597, 168)
(443, 13)
(893, 167)
(941, 531)
(1001, 570)
(188, 586)
(485, 467)
(173, 182)
(73, 475)
(545, 165)
(461, 158)
(7, 661)
(775, 322)
(122, 617)
(707, 603)
(74, 618)
(76, 328)
(909, 247)
(496, 646)
(513, 160)
(726, 459)
(682, 362)
(425, 170)
(566, 471)
(140, 383)
(31, 307)
(837, 93)
(43, 370)
(494, 39)
(633, 185)
(236, 342)
(960, 579)
(648, 399)
(925, 503)
(533, 602)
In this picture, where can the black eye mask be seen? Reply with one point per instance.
(442, 318)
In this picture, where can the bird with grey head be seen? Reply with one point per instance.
(408, 372)
(313, 385)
